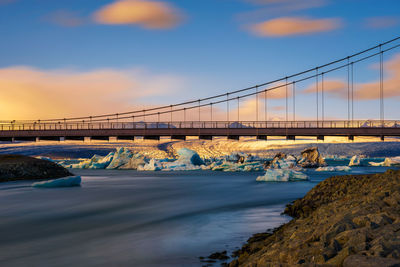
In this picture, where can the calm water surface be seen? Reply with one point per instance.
(129, 218)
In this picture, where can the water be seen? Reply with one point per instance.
(129, 218)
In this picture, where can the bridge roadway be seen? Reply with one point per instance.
(204, 130)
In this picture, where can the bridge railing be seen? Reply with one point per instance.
(34, 126)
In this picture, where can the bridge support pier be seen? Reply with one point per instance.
(382, 138)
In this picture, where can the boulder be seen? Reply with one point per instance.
(351, 220)
(18, 167)
(366, 261)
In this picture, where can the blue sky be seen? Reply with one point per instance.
(209, 50)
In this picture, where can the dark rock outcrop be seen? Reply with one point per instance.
(18, 167)
(351, 220)
(310, 158)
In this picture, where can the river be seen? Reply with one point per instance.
(130, 218)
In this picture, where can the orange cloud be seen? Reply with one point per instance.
(147, 14)
(287, 26)
(391, 82)
(278, 91)
(336, 88)
(29, 93)
(381, 22)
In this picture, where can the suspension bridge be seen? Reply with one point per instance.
(151, 123)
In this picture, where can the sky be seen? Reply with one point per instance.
(75, 57)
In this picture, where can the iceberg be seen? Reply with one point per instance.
(136, 162)
(189, 156)
(354, 161)
(61, 182)
(95, 162)
(121, 157)
(188, 160)
(283, 161)
(282, 175)
(334, 169)
(388, 162)
(151, 166)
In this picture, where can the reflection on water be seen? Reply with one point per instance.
(126, 218)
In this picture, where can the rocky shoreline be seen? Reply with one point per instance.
(18, 167)
(351, 220)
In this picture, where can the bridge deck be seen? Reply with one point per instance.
(125, 130)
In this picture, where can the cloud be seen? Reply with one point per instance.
(368, 91)
(287, 26)
(381, 22)
(145, 13)
(279, 91)
(334, 87)
(30, 93)
(65, 18)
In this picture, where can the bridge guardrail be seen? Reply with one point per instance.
(34, 126)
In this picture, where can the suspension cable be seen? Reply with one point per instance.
(237, 91)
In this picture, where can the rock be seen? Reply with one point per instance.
(351, 220)
(310, 158)
(18, 167)
(365, 261)
(219, 256)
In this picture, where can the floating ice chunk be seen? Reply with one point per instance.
(95, 162)
(282, 175)
(334, 169)
(61, 182)
(395, 161)
(121, 157)
(136, 162)
(189, 156)
(354, 161)
(151, 166)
